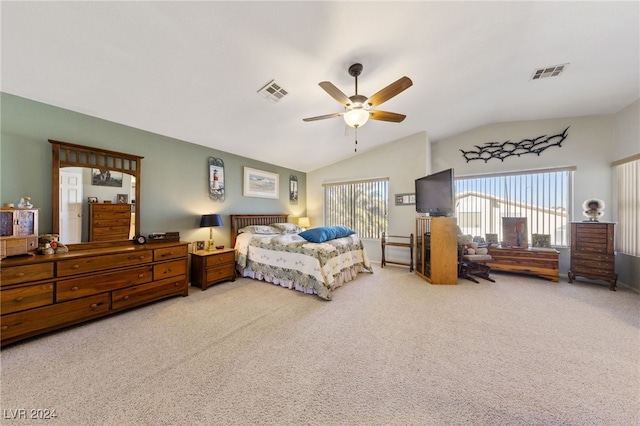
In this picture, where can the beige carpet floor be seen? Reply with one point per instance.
(390, 349)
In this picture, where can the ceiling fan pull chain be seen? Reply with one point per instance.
(356, 145)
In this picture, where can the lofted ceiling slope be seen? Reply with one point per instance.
(191, 70)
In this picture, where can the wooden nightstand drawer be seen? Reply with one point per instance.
(22, 298)
(219, 259)
(221, 273)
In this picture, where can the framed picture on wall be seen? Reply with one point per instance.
(293, 189)
(258, 183)
(216, 179)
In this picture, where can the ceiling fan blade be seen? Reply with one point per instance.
(323, 117)
(390, 91)
(335, 93)
(386, 116)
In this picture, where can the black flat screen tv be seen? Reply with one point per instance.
(435, 194)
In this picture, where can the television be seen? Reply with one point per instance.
(435, 194)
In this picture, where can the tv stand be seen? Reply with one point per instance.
(437, 249)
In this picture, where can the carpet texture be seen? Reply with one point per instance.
(390, 349)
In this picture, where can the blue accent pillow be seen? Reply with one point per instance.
(325, 233)
(343, 231)
(319, 234)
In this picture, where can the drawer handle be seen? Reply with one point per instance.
(74, 288)
(170, 269)
(140, 275)
(141, 257)
(168, 254)
(176, 284)
(76, 266)
(20, 274)
(94, 306)
(5, 327)
(125, 297)
(19, 299)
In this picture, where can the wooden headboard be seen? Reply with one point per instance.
(239, 221)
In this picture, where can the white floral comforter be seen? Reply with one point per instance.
(290, 261)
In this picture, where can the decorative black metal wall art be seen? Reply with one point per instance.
(507, 149)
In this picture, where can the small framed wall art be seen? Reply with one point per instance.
(293, 189)
(216, 179)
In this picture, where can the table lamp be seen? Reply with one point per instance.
(303, 222)
(210, 220)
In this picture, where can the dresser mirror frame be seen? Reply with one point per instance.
(66, 154)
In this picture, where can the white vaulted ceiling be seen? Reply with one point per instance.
(191, 70)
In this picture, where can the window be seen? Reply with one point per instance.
(543, 197)
(361, 205)
(628, 191)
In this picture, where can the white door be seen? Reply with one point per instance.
(70, 207)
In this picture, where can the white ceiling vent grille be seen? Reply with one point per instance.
(552, 71)
(273, 91)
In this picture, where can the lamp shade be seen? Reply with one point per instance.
(210, 220)
(304, 222)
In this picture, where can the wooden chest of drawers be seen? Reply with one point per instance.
(44, 293)
(109, 222)
(211, 267)
(593, 252)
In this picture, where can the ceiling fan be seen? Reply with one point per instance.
(357, 108)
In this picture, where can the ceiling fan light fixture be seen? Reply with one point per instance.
(356, 117)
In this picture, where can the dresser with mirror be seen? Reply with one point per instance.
(42, 293)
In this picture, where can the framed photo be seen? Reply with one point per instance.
(104, 177)
(492, 239)
(258, 183)
(199, 245)
(293, 189)
(405, 199)
(541, 240)
(92, 199)
(123, 198)
(216, 179)
(514, 231)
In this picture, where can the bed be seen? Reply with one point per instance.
(285, 258)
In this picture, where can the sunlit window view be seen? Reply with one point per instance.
(541, 198)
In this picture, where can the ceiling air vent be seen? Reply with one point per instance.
(273, 91)
(551, 71)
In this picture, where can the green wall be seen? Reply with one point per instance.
(174, 172)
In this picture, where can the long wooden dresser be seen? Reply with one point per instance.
(42, 293)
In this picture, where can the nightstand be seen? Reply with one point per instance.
(211, 267)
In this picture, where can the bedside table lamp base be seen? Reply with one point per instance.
(210, 220)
